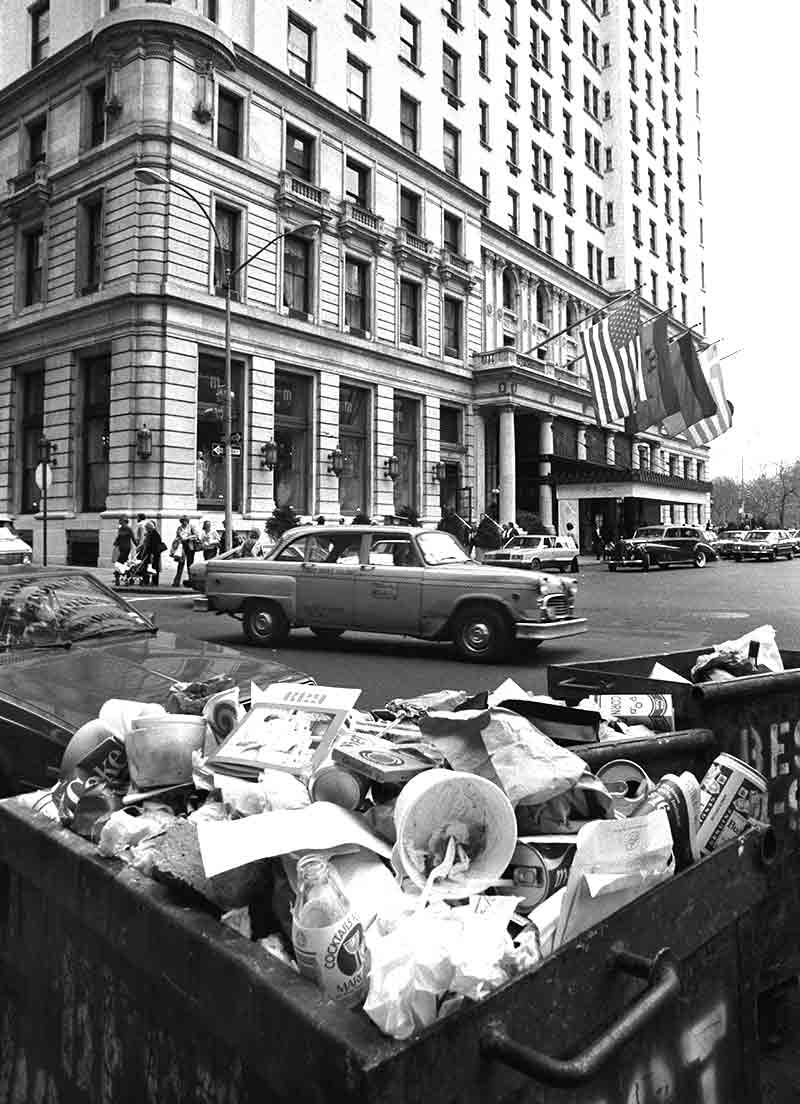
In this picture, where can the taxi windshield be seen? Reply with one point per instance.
(439, 548)
(39, 611)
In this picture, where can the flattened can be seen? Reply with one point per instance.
(538, 870)
(332, 782)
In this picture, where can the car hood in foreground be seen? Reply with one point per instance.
(67, 687)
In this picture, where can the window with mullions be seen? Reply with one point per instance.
(40, 32)
(226, 253)
(96, 373)
(356, 295)
(37, 141)
(299, 49)
(31, 428)
(97, 114)
(357, 87)
(405, 448)
(410, 211)
(451, 63)
(452, 327)
(210, 463)
(409, 122)
(357, 10)
(353, 441)
(297, 274)
(293, 438)
(409, 37)
(451, 232)
(90, 230)
(451, 153)
(299, 154)
(229, 123)
(410, 318)
(32, 250)
(356, 184)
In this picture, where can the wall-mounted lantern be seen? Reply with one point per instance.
(269, 455)
(144, 442)
(439, 471)
(391, 467)
(336, 462)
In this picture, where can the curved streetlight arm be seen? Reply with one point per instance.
(292, 230)
(153, 177)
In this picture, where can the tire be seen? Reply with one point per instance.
(536, 565)
(645, 562)
(772, 557)
(790, 555)
(612, 567)
(738, 559)
(264, 623)
(326, 635)
(574, 567)
(700, 558)
(481, 634)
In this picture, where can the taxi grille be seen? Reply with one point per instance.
(557, 607)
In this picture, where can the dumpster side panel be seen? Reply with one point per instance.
(115, 994)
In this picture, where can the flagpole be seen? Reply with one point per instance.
(580, 321)
(660, 314)
(729, 355)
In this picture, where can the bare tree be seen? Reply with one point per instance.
(726, 498)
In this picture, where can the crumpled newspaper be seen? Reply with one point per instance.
(732, 657)
(435, 958)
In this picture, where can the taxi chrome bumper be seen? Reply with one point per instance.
(549, 630)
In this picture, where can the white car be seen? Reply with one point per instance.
(13, 549)
(536, 552)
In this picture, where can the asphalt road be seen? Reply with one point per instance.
(629, 613)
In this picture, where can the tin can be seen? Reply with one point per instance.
(732, 794)
(538, 870)
(627, 782)
(679, 795)
(331, 782)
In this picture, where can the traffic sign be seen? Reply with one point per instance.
(235, 450)
(43, 471)
(218, 450)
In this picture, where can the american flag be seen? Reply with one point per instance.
(702, 433)
(614, 360)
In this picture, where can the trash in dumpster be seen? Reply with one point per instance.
(655, 710)
(463, 844)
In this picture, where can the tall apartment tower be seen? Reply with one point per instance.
(481, 174)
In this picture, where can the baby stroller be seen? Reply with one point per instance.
(132, 572)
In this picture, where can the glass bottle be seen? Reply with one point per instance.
(327, 934)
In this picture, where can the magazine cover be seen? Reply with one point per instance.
(285, 726)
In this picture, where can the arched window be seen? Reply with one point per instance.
(542, 305)
(509, 290)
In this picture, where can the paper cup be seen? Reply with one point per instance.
(731, 795)
(161, 754)
(431, 802)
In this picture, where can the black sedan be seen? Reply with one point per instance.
(68, 644)
(662, 546)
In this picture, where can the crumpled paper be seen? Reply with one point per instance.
(587, 800)
(732, 656)
(273, 790)
(507, 749)
(122, 831)
(434, 959)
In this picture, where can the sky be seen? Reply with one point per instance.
(749, 69)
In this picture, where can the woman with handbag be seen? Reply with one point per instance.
(183, 548)
(209, 540)
(124, 542)
(150, 551)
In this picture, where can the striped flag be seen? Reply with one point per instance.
(614, 360)
(702, 433)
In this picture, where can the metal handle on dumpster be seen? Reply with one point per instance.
(661, 972)
(595, 686)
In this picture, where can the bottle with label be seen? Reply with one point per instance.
(327, 934)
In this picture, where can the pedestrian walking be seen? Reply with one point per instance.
(209, 540)
(250, 544)
(598, 542)
(570, 537)
(139, 529)
(184, 546)
(150, 553)
(124, 543)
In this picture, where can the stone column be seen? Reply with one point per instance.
(545, 469)
(654, 465)
(508, 466)
(636, 460)
(479, 481)
(611, 454)
(581, 442)
(497, 269)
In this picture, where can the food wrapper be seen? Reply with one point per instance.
(507, 749)
(615, 862)
(122, 831)
(273, 790)
(435, 958)
(588, 799)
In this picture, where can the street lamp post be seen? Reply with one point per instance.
(152, 177)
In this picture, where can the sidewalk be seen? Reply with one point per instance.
(107, 576)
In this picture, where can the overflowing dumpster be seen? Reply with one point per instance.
(116, 992)
(757, 719)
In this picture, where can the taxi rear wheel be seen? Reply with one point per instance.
(481, 634)
(265, 623)
(700, 558)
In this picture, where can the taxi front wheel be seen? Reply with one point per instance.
(265, 623)
(481, 634)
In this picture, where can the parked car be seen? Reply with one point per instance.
(536, 553)
(764, 544)
(398, 579)
(724, 543)
(795, 535)
(68, 643)
(662, 546)
(13, 549)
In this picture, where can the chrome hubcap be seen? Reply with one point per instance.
(477, 636)
(262, 623)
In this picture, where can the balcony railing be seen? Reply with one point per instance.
(511, 358)
(27, 192)
(297, 193)
(355, 220)
(409, 246)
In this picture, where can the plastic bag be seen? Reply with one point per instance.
(734, 658)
